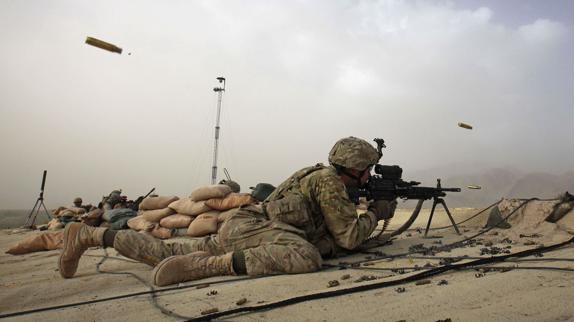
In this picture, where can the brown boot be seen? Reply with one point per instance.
(198, 265)
(77, 238)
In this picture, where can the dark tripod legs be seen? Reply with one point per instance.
(34, 213)
(434, 203)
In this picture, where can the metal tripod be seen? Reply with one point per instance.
(37, 206)
(436, 201)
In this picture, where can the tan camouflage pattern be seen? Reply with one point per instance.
(269, 247)
(150, 250)
(353, 153)
(335, 223)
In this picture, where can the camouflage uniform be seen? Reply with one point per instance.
(328, 221)
(309, 216)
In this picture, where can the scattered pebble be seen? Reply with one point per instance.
(400, 289)
(212, 292)
(479, 275)
(345, 277)
(443, 282)
(529, 243)
(365, 278)
(333, 283)
(213, 310)
(535, 235)
(241, 301)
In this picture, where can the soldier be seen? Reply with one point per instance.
(78, 202)
(307, 218)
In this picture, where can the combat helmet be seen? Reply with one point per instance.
(353, 153)
(235, 187)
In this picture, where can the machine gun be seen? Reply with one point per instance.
(137, 202)
(387, 184)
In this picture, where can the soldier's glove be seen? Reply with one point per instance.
(383, 209)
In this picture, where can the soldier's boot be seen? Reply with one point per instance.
(77, 238)
(197, 265)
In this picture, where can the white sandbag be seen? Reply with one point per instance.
(157, 202)
(208, 192)
(186, 206)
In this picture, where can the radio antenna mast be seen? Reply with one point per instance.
(219, 90)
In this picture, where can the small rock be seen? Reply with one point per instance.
(400, 289)
(213, 310)
(345, 277)
(241, 301)
(333, 283)
(443, 282)
(423, 282)
(529, 243)
(479, 275)
(212, 292)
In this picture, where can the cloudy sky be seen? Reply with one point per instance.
(301, 74)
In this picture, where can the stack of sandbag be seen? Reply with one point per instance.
(198, 215)
(151, 211)
(210, 206)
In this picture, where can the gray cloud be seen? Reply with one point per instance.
(300, 75)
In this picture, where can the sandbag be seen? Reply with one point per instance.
(56, 212)
(139, 223)
(157, 214)
(45, 241)
(161, 232)
(55, 224)
(225, 214)
(176, 221)
(232, 200)
(208, 192)
(186, 206)
(77, 210)
(203, 224)
(157, 202)
(93, 218)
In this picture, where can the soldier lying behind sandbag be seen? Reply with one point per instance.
(307, 218)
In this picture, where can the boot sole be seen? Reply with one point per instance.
(158, 267)
(69, 227)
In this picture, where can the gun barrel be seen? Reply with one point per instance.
(451, 189)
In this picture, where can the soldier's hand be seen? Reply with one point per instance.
(383, 209)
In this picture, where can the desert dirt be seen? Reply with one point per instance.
(32, 281)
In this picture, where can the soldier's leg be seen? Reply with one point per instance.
(267, 247)
(253, 245)
(77, 238)
(150, 250)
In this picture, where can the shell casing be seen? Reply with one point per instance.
(103, 45)
(464, 125)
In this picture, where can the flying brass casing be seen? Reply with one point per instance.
(464, 125)
(103, 45)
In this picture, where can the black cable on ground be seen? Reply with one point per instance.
(118, 297)
(494, 268)
(152, 290)
(377, 285)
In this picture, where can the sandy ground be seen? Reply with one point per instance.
(32, 281)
